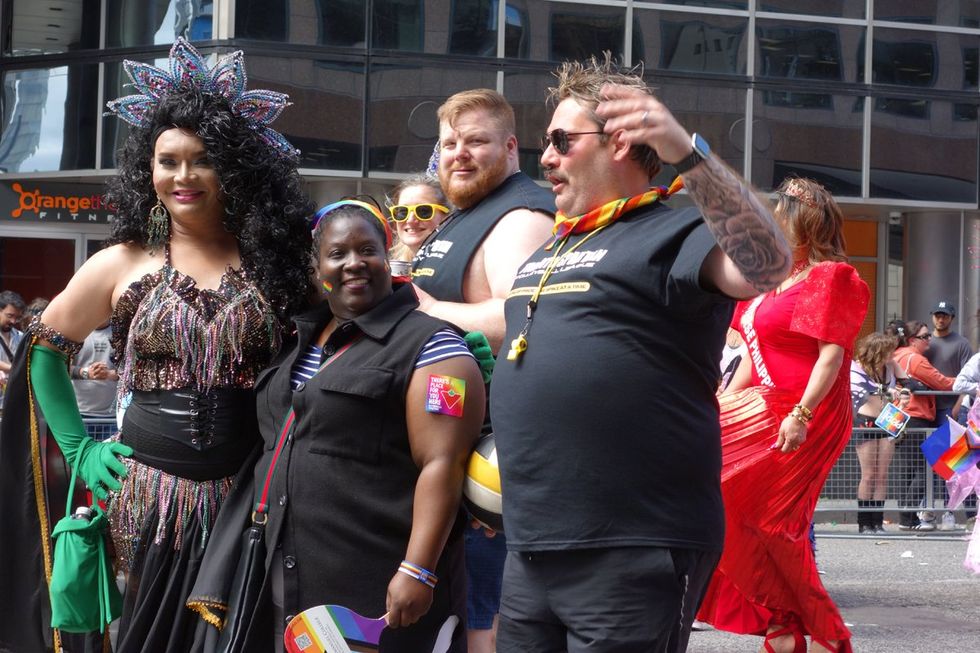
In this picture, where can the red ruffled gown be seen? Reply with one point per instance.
(767, 573)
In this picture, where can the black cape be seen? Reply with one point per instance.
(24, 606)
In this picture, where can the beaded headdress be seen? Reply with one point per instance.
(188, 69)
(799, 192)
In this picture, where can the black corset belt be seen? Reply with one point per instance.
(191, 434)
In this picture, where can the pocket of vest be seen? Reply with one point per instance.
(350, 414)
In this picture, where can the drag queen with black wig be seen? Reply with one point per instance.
(207, 259)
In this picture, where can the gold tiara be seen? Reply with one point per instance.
(797, 191)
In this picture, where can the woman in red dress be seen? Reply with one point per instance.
(785, 418)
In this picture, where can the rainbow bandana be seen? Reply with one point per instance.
(608, 212)
(589, 223)
(373, 210)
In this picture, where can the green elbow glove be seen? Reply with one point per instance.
(98, 464)
(480, 348)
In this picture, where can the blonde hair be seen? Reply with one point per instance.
(582, 81)
(486, 99)
(418, 179)
(813, 219)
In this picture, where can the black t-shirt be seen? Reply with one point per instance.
(607, 427)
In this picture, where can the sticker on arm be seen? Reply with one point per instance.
(445, 395)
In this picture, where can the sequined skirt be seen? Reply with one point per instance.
(154, 508)
(160, 525)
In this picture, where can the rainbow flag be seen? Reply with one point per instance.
(948, 450)
(332, 629)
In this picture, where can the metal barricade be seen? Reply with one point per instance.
(101, 428)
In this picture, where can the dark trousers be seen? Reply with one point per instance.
(614, 600)
(912, 472)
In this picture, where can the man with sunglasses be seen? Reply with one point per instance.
(604, 407)
(465, 269)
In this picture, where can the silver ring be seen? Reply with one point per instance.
(643, 118)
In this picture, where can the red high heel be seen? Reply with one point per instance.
(799, 642)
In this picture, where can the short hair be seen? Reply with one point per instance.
(813, 219)
(349, 211)
(476, 99)
(11, 298)
(582, 81)
(418, 179)
(873, 351)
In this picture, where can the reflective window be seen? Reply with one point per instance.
(157, 22)
(807, 51)
(578, 32)
(720, 4)
(396, 24)
(693, 42)
(402, 124)
(822, 143)
(842, 8)
(715, 112)
(931, 158)
(269, 20)
(527, 90)
(49, 119)
(51, 27)
(473, 29)
(931, 12)
(925, 59)
(327, 138)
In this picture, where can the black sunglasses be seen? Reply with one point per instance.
(928, 336)
(559, 138)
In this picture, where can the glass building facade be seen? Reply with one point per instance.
(876, 99)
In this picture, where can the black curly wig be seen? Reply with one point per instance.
(266, 206)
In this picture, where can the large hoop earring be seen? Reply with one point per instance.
(158, 227)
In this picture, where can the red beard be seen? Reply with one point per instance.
(465, 194)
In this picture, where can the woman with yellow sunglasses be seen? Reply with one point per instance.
(417, 207)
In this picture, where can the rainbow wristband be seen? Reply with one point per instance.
(421, 574)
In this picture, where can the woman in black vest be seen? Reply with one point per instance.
(364, 507)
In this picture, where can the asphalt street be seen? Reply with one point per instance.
(895, 592)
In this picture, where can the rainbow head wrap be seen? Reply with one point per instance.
(370, 208)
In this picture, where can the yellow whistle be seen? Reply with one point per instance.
(517, 347)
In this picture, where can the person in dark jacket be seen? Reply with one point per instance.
(364, 504)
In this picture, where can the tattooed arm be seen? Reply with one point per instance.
(752, 254)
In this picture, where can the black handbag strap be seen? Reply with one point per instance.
(6, 349)
(260, 514)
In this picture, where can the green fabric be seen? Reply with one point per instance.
(83, 592)
(97, 462)
(480, 348)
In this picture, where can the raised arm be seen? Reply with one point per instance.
(491, 275)
(441, 444)
(753, 255)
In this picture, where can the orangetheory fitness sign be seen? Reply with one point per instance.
(41, 201)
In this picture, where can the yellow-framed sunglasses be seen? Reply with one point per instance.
(424, 212)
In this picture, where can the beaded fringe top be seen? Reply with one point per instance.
(174, 335)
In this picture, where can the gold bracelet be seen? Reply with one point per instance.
(800, 414)
(799, 418)
(806, 411)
